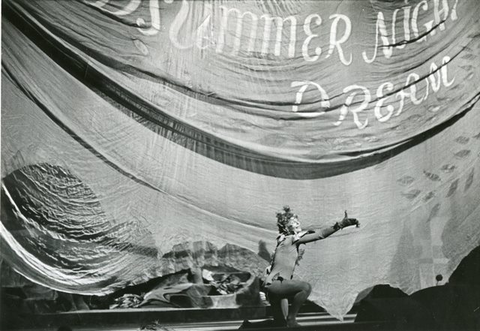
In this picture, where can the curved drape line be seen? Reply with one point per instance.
(11, 247)
(210, 146)
(82, 231)
(258, 108)
(202, 142)
(102, 157)
(264, 109)
(59, 270)
(73, 135)
(106, 241)
(75, 280)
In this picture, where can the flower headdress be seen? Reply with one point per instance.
(282, 219)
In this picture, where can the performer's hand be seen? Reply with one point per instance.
(348, 221)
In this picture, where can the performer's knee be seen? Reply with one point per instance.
(308, 288)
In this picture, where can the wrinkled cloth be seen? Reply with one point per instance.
(130, 126)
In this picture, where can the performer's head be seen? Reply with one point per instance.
(287, 222)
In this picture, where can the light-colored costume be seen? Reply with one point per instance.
(284, 258)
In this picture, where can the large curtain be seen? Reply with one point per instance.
(129, 127)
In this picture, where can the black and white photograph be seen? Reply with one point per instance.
(216, 165)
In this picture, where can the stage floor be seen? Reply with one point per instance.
(309, 321)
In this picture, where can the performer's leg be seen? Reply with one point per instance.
(295, 290)
(297, 302)
(284, 306)
(279, 307)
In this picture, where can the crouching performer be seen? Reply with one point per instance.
(279, 286)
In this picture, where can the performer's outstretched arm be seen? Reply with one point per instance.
(319, 234)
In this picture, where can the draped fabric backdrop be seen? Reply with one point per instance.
(130, 126)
